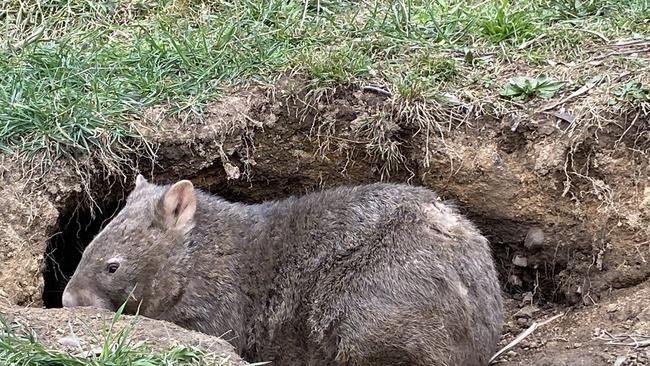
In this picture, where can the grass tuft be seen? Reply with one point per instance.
(504, 23)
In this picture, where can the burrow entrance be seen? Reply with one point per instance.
(77, 226)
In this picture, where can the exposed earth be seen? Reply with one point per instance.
(562, 194)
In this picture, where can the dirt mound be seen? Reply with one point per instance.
(79, 331)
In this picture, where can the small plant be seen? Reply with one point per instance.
(438, 68)
(570, 9)
(634, 91)
(335, 65)
(412, 86)
(506, 24)
(524, 87)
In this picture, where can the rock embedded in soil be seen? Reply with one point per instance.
(520, 261)
(534, 238)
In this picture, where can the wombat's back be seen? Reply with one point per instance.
(381, 274)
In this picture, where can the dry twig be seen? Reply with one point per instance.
(584, 89)
(628, 340)
(523, 335)
(377, 89)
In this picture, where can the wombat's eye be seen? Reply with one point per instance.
(112, 267)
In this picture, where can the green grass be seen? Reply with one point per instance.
(506, 23)
(75, 74)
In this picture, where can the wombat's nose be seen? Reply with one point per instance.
(69, 300)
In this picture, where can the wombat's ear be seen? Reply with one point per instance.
(178, 205)
(139, 181)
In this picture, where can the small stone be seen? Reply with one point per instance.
(520, 261)
(611, 308)
(523, 343)
(511, 353)
(577, 345)
(452, 99)
(70, 341)
(527, 312)
(232, 171)
(534, 238)
(515, 280)
(52, 189)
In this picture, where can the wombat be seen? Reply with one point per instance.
(377, 274)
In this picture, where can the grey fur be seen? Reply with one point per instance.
(378, 274)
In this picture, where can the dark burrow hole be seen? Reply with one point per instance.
(77, 227)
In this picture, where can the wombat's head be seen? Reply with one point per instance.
(138, 251)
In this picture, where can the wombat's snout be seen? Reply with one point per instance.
(69, 300)
(73, 297)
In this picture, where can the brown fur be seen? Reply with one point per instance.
(379, 274)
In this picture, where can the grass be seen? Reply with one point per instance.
(26, 350)
(75, 75)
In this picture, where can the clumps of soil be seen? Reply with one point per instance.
(26, 219)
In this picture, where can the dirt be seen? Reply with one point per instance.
(614, 329)
(566, 207)
(27, 222)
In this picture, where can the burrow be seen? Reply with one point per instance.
(283, 158)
